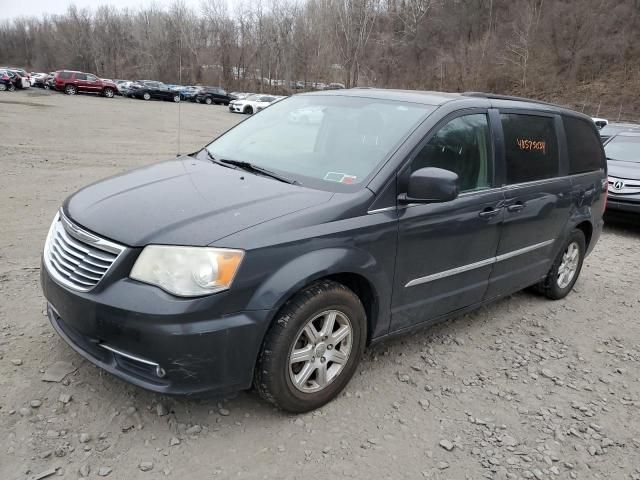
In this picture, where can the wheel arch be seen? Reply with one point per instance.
(353, 268)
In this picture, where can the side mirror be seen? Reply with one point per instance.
(431, 185)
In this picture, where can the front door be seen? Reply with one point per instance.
(446, 250)
(537, 201)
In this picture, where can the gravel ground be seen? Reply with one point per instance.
(525, 388)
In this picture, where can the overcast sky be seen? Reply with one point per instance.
(14, 8)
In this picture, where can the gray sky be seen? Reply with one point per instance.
(14, 8)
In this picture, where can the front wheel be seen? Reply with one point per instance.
(313, 348)
(3, 87)
(108, 92)
(248, 111)
(176, 98)
(146, 96)
(565, 269)
(208, 101)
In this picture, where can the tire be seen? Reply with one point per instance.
(146, 96)
(285, 384)
(553, 286)
(46, 87)
(176, 98)
(70, 89)
(108, 92)
(3, 87)
(248, 111)
(208, 101)
(11, 87)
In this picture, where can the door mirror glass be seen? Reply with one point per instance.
(431, 185)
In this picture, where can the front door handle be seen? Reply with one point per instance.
(516, 207)
(489, 212)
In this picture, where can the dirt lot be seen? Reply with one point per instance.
(526, 388)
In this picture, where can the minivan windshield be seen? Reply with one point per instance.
(322, 140)
(623, 148)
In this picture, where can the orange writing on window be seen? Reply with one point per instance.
(532, 145)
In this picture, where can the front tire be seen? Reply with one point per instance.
(108, 92)
(248, 111)
(208, 101)
(70, 90)
(565, 269)
(146, 96)
(313, 348)
(176, 98)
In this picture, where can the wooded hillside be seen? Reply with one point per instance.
(584, 53)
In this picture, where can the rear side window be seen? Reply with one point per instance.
(81, 76)
(531, 147)
(585, 147)
(65, 75)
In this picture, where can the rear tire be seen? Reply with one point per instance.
(176, 98)
(565, 269)
(208, 101)
(146, 96)
(337, 321)
(3, 87)
(70, 90)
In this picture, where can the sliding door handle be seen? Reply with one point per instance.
(516, 207)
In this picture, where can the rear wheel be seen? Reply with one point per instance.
(70, 90)
(313, 348)
(176, 98)
(3, 87)
(565, 269)
(146, 96)
(208, 101)
(108, 92)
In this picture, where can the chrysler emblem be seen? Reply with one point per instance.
(618, 185)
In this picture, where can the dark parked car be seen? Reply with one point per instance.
(215, 95)
(611, 129)
(273, 256)
(72, 82)
(623, 158)
(150, 89)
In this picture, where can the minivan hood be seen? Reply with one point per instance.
(630, 170)
(185, 201)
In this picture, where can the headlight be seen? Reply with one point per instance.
(187, 271)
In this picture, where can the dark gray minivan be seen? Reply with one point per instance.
(328, 221)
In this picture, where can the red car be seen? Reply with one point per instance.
(71, 82)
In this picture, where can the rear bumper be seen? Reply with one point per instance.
(180, 350)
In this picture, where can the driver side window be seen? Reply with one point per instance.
(463, 147)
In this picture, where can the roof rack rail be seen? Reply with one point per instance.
(495, 96)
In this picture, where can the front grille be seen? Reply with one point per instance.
(76, 258)
(623, 186)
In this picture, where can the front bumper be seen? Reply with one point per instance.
(631, 206)
(166, 345)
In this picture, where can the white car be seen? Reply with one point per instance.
(252, 104)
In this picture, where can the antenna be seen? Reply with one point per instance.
(179, 91)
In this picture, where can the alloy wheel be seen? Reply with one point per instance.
(321, 351)
(569, 265)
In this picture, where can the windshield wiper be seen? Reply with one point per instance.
(250, 167)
